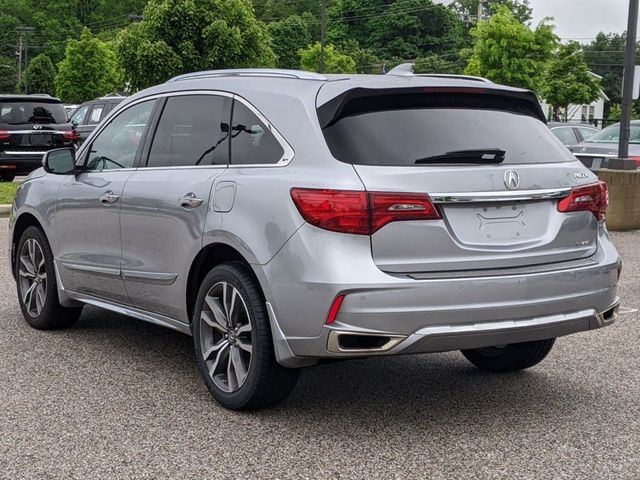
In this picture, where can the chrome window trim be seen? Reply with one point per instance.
(285, 159)
(30, 132)
(22, 152)
(467, 197)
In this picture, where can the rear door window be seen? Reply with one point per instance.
(402, 136)
(193, 131)
(252, 143)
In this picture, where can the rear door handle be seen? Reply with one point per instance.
(190, 201)
(109, 198)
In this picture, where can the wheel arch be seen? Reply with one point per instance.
(24, 221)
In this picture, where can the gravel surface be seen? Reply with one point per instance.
(117, 398)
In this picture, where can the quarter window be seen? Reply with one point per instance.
(252, 143)
(96, 113)
(117, 144)
(193, 130)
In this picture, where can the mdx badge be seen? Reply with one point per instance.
(511, 179)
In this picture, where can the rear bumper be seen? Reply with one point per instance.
(430, 315)
(21, 163)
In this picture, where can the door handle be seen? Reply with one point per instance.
(109, 198)
(190, 201)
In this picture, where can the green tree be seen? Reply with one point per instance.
(89, 70)
(436, 64)
(567, 81)
(289, 36)
(39, 76)
(179, 36)
(507, 51)
(366, 60)
(605, 56)
(521, 9)
(334, 61)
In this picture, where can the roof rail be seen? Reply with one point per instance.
(452, 75)
(250, 72)
(406, 70)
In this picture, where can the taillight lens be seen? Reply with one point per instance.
(335, 308)
(70, 135)
(361, 213)
(592, 198)
(635, 159)
(4, 135)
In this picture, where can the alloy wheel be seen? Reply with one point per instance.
(32, 274)
(226, 337)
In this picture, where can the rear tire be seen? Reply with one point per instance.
(233, 342)
(510, 358)
(7, 177)
(37, 286)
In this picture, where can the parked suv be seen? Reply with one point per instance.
(285, 217)
(30, 125)
(88, 115)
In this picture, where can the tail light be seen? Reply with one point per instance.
(335, 308)
(361, 213)
(5, 135)
(70, 135)
(635, 159)
(592, 198)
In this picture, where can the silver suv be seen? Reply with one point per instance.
(283, 218)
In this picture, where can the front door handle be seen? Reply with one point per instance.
(190, 201)
(109, 198)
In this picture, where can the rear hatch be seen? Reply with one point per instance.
(30, 124)
(489, 164)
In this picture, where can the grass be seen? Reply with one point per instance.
(7, 191)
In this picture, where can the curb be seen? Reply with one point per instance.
(5, 210)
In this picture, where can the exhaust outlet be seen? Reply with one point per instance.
(361, 342)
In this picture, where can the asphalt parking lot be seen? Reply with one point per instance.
(117, 398)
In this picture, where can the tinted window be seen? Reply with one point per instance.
(587, 132)
(252, 143)
(566, 135)
(193, 130)
(400, 137)
(18, 113)
(117, 144)
(96, 113)
(78, 117)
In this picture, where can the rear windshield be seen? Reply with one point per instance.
(401, 137)
(20, 113)
(611, 134)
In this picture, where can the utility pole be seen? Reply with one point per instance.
(323, 22)
(23, 34)
(627, 86)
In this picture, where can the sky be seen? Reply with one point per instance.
(581, 20)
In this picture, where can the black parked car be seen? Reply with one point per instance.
(29, 126)
(88, 115)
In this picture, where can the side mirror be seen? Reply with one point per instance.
(61, 161)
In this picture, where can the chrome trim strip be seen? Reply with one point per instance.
(468, 197)
(25, 153)
(154, 318)
(150, 277)
(29, 132)
(333, 342)
(286, 158)
(105, 271)
(594, 155)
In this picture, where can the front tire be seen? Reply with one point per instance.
(7, 177)
(233, 342)
(36, 284)
(510, 358)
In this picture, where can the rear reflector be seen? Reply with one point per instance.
(335, 308)
(592, 198)
(361, 213)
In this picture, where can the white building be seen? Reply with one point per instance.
(589, 113)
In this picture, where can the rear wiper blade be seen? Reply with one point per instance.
(481, 155)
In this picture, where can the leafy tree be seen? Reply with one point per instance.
(274, 10)
(521, 9)
(398, 28)
(89, 70)
(568, 81)
(179, 36)
(605, 56)
(507, 51)
(39, 76)
(334, 61)
(289, 36)
(436, 64)
(366, 60)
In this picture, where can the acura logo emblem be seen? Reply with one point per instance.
(511, 179)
